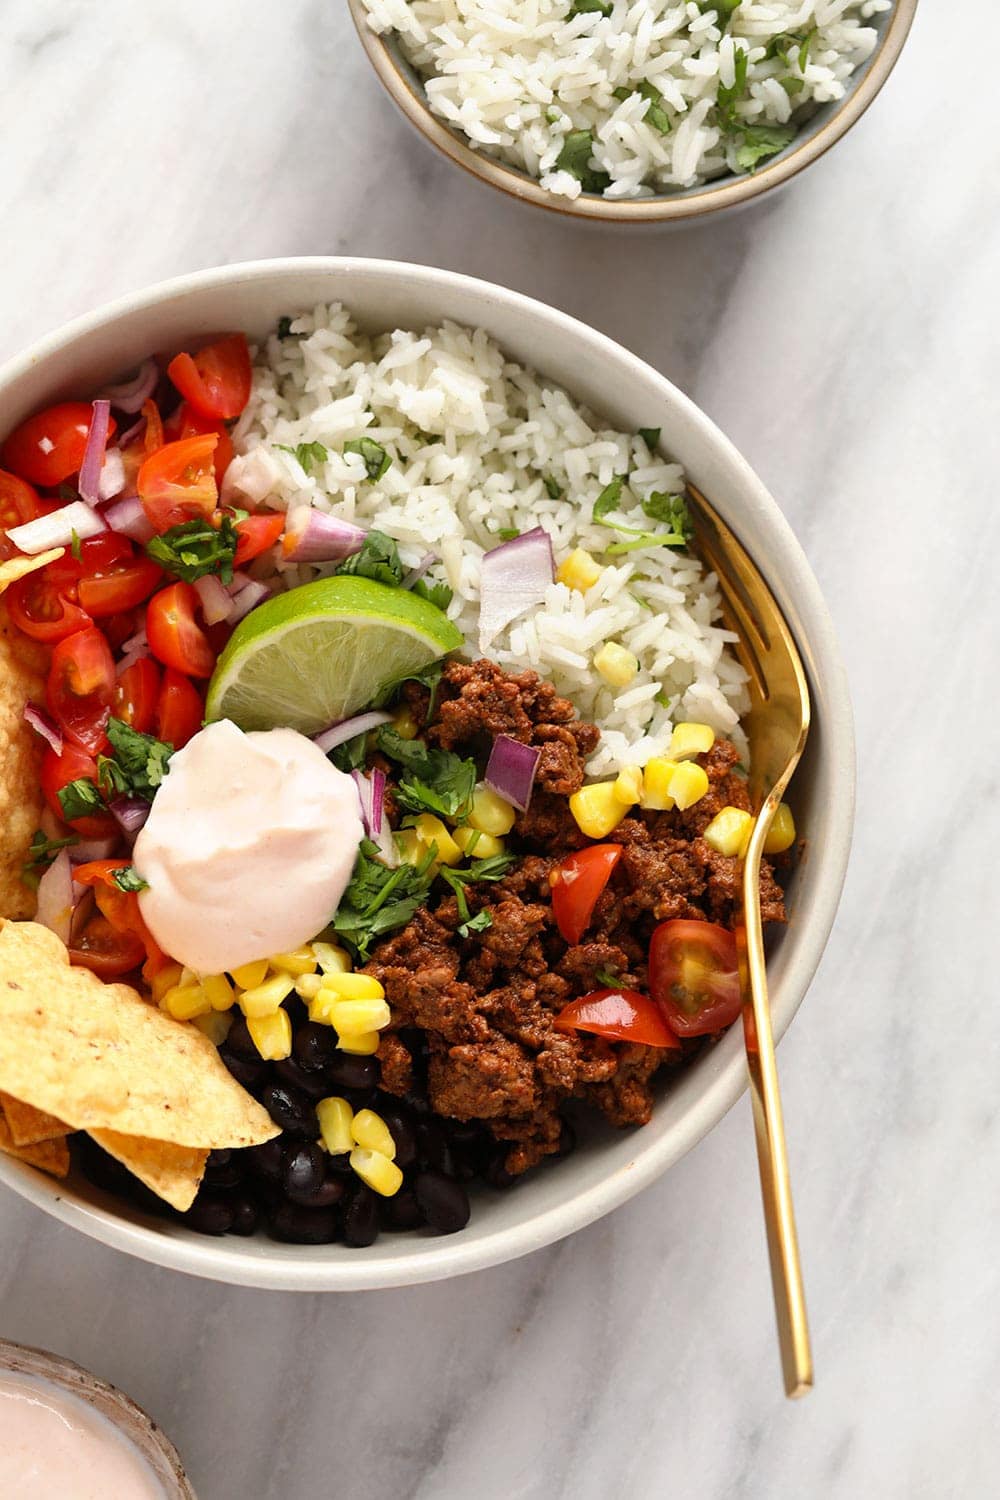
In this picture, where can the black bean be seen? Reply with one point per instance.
(314, 1046)
(304, 1226)
(225, 1177)
(346, 1071)
(329, 1192)
(239, 1042)
(445, 1204)
(267, 1160)
(100, 1168)
(251, 1075)
(290, 1109)
(361, 1218)
(246, 1215)
(313, 1084)
(402, 1211)
(402, 1132)
(433, 1148)
(210, 1215)
(496, 1173)
(304, 1169)
(418, 1102)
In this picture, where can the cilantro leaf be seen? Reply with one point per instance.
(655, 115)
(729, 95)
(431, 780)
(609, 497)
(284, 327)
(438, 594)
(378, 559)
(350, 756)
(608, 978)
(429, 678)
(41, 852)
(129, 879)
(80, 799)
(140, 759)
(75, 545)
(651, 437)
(577, 150)
(587, 7)
(479, 923)
(761, 141)
(552, 487)
(507, 533)
(379, 900)
(195, 548)
(673, 509)
(307, 454)
(480, 871)
(376, 459)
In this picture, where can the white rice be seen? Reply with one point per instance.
(472, 438)
(516, 77)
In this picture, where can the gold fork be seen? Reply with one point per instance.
(776, 726)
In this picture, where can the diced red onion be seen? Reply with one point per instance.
(130, 813)
(216, 604)
(89, 481)
(57, 529)
(511, 770)
(129, 395)
(112, 477)
(248, 598)
(251, 478)
(415, 574)
(55, 897)
(514, 578)
(238, 581)
(371, 795)
(83, 909)
(129, 436)
(348, 729)
(42, 724)
(312, 536)
(129, 518)
(88, 849)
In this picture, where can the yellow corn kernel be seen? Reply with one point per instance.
(430, 830)
(331, 958)
(353, 987)
(353, 1018)
(405, 724)
(781, 834)
(308, 985)
(381, 1174)
(596, 809)
(302, 961)
(359, 1043)
(656, 780)
(628, 785)
(272, 1035)
(478, 845)
(616, 665)
(335, 1116)
(691, 739)
(185, 1001)
(729, 831)
(578, 571)
(218, 991)
(688, 784)
(189, 976)
(167, 979)
(491, 813)
(249, 976)
(370, 1131)
(410, 846)
(215, 1026)
(321, 1007)
(264, 999)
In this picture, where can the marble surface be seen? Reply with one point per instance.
(845, 337)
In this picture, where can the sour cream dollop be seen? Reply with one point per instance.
(248, 848)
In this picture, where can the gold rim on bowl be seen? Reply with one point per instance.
(724, 192)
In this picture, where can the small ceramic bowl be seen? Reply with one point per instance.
(609, 1166)
(815, 137)
(157, 1451)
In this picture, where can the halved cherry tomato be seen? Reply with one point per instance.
(81, 686)
(43, 604)
(49, 447)
(694, 976)
(174, 637)
(177, 482)
(179, 711)
(58, 771)
(619, 1015)
(256, 534)
(121, 909)
(136, 694)
(105, 950)
(187, 421)
(19, 503)
(113, 583)
(576, 882)
(217, 379)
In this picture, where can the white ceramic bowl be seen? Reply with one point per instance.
(609, 1167)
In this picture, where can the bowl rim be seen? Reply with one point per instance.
(451, 1256)
(711, 197)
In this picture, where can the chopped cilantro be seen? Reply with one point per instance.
(758, 142)
(378, 900)
(129, 879)
(608, 978)
(284, 327)
(438, 594)
(609, 497)
(673, 509)
(41, 852)
(577, 150)
(195, 548)
(429, 678)
(552, 487)
(481, 922)
(430, 780)
(350, 756)
(378, 559)
(507, 533)
(376, 459)
(140, 760)
(651, 437)
(729, 95)
(75, 544)
(588, 7)
(80, 799)
(655, 115)
(494, 868)
(643, 540)
(306, 454)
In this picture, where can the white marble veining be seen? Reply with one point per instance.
(846, 337)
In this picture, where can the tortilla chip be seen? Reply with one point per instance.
(48, 1156)
(174, 1173)
(29, 1125)
(19, 567)
(22, 669)
(99, 1057)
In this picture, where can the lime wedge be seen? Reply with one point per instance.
(320, 653)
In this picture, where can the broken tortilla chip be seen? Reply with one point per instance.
(19, 567)
(29, 1125)
(48, 1156)
(22, 679)
(99, 1057)
(172, 1172)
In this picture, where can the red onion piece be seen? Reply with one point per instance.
(57, 529)
(127, 438)
(129, 395)
(312, 536)
(112, 476)
(415, 574)
(248, 598)
(216, 604)
(129, 813)
(88, 849)
(55, 897)
(238, 581)
(371, 795)
(347, 729)
(89, 481)
(83, 909)
(514, 578)
(44, 725)
(511, 770)
(129, 518)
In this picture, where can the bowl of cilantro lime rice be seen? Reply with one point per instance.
(633, 111)
(374, 753)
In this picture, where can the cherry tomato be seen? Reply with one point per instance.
(121, 910)
(174, 637)
(81, 686)
(115, 581)
(49, 447)
(256, 534)
(217, 379)
(105, 950)
(576, 882)
(694, 976)
(187, 421)
(43, 604)
(177, 482)
(179, 711)
(619, 1015)
(19, 503)
(58, 771)
(136, 695)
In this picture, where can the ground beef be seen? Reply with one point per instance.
(487, 1004)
